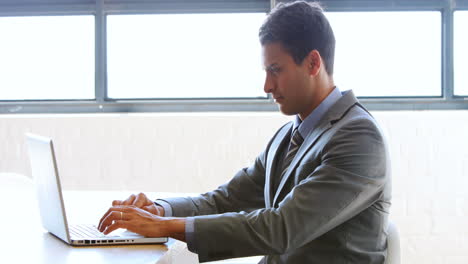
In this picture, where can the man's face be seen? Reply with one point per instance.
(289, 84)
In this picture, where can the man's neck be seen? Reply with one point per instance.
(324, 92)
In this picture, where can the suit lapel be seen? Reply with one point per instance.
(336, 112)
(308, 142)
(273, 154)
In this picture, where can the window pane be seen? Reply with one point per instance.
(184, 56)
(47, 57)
(388, 53)
(461, 53)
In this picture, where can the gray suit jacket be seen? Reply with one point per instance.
(331, 206)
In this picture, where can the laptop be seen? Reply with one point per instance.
(51, 205)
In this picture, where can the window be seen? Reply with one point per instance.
(185, 56)
(93, 56)
(461, 53)
(47, 57)
(388, 53)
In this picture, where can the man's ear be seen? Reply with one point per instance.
(314, 61)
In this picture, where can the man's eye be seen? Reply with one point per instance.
(275, 70)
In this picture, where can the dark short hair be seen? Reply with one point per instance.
(300, 27)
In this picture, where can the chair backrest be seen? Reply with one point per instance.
(393, 244)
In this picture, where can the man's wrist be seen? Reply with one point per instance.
(166, 206)
(176, 228)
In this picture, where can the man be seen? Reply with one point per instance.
(318, 193)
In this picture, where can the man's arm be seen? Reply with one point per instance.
(141, 215)
(245, 192)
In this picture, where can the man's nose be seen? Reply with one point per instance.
(268, 86)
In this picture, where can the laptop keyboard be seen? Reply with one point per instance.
(85, 231)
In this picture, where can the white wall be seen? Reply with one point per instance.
(197, 152)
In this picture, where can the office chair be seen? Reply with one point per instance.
(393, 244)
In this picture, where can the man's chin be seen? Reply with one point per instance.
(285, 111)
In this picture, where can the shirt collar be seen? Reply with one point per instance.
(308, 124)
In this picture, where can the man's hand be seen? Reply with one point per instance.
(142, 222)
(141, 201)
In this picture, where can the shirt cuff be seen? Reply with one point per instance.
(167, 207)
(190, 234)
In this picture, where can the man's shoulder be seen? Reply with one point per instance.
(357, 118)
(358, 112)
(355, 113)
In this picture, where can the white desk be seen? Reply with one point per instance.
(25, 241)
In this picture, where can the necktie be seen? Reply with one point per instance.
(294, 145)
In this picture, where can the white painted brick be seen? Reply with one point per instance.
(399, 206)
(443, 245)
(464, 244)
(411, 253)
(450, 181)
(456, 260)
(444, 206)
(414, 225)
(462, 206)
(420, 205)
(446, 225)
(416, 249)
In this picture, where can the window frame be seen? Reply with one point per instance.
(464, 8)
(102, 104)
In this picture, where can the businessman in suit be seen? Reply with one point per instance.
(318, 193)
